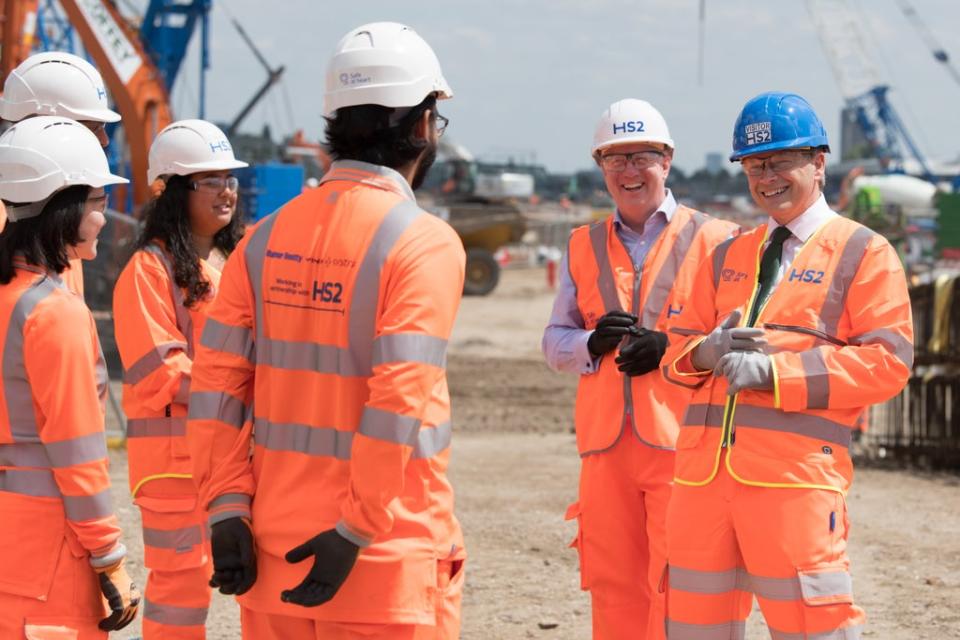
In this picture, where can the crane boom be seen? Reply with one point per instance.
(939, 53)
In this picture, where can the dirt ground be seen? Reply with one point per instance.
(515, 470)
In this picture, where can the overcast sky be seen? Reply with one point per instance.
(531, 77)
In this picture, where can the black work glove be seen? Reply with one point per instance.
(642, 353)
(333, 558)
(609, 331)
(234, 556)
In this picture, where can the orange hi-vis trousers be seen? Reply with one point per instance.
(622, 514)
(729, 542)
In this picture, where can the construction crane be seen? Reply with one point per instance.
(863, 91)
(939, 53)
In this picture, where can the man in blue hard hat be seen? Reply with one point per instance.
(797, 326)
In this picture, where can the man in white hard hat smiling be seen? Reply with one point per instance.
(621, 280)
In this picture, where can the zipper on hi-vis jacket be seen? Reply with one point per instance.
(627, 381)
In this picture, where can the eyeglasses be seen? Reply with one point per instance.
(777, 163)
(216, 184)
(442, 124)
(639, 159)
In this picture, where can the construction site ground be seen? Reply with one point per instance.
(515, 466)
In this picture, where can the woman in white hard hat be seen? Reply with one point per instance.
(160, 305)
(63, 562)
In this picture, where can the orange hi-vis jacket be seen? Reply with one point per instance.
(54, 482)
(607, 280)
(840, 337)
(326, 346)
(157, 336)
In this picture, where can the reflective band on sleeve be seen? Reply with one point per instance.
(182, 396)
(230, 498)
(817, 378)
(894, 343)
(151, 362)
(433, 440)
(156, 427)
(16, 386)
(389, 426)
(180, 540)
(719, 257)
(663, 283)
(228, 339)
(301, 438)
(605, 282)
(64, 453)
(217, 405)
(843, 274)
(80, 508)
(733, 630)
(174, 616)
(38, 483)
(410, 347)
(770, 419)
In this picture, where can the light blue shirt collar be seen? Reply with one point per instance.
(666, 209)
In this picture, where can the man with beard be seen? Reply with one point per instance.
(326, 348)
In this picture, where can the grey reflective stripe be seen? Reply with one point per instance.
(230, 498)
(341, 170)
(102, 375)
(663, 282)
(781, 589)
(217, 405)
(410, 347)
(817, 377)
(709, 582)
(306, 356)
(719, 258)
(732, 630)
(366, 288)
(182, 315)
(161, 427)
(151, 362)
(389, 427)
(182, 396)
(174, 616)
(431, 441)
(64, 453)
(180, 540)
(16, 385)
(770, 419)
(227, 338)
(854, 632)
(843, 274)
(29, 482)
(894, 343)
(80, 508)
(681, 331)
(605, 282)
(826, 584)
(254, 255)
(302, 438)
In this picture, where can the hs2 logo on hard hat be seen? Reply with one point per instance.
(630, 126)
(222, 145)
(101, 94)
(758, 132)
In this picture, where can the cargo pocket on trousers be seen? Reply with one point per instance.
(824, 586)
(174, 532)
(50, 632)
(573, 512)
(33, 533)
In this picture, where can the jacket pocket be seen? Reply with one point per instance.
(31, 540)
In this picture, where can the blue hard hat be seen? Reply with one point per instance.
(773, 121)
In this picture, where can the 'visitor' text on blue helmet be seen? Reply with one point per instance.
(773, 121)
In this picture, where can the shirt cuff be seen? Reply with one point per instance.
(581, 354)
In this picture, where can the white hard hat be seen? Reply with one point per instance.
(383, 63)
(41, 156)
(190, 146)
(630, 120)
(55, 84)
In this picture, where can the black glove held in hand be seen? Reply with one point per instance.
(609, 331)
(643, 352)
(234, 556)
(333, 558)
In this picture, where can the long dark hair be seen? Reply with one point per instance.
(167, 218)
(43, 240)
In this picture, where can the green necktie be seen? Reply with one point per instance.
(769, 266)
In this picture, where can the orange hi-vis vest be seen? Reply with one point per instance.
(326, 347)
(607, 280)
(54, 482)
(156, 335)
(840, 337)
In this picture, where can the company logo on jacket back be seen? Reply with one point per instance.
(321, 291)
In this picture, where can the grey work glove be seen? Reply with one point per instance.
(724, 339)
(746, 370)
